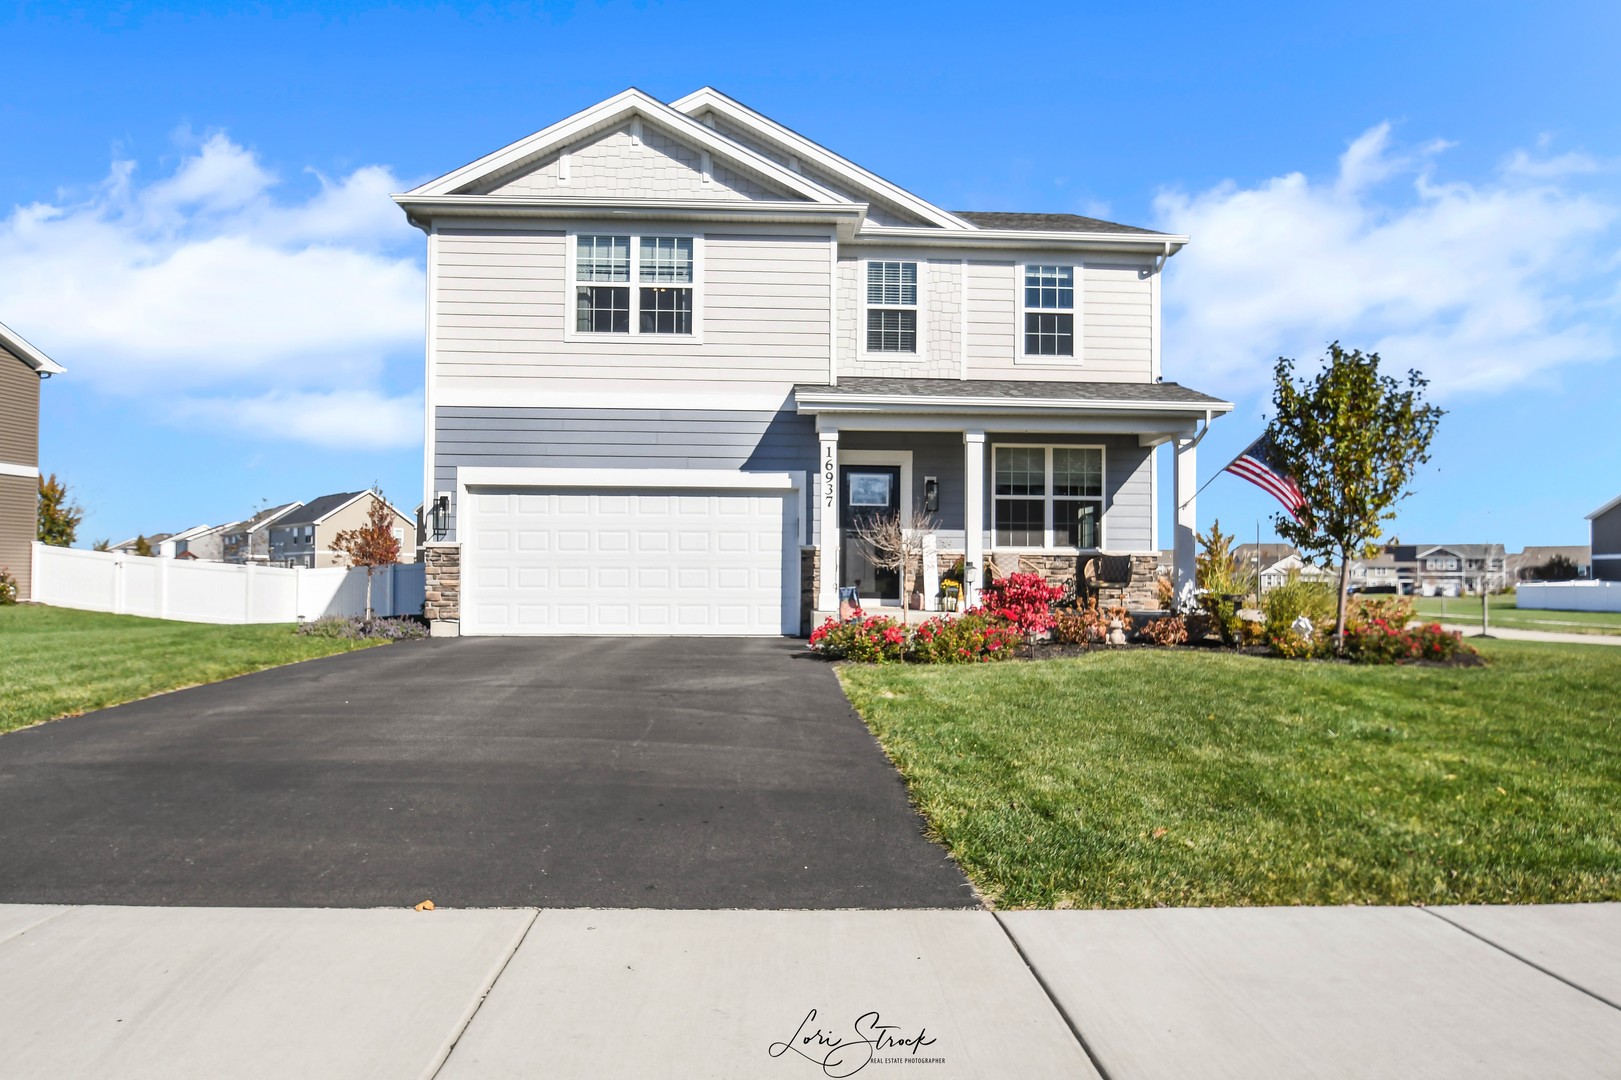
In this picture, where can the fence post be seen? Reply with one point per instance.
(163, 587)
(247, 592)
(118, 583)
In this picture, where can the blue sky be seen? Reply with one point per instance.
(193, 212)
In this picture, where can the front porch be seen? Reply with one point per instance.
(1019, 476)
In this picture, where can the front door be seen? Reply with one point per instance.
(868, 493)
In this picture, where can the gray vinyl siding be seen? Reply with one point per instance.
(19, 411)
(748, 441)
(501, 304)
(1607, 541)
(19, 503)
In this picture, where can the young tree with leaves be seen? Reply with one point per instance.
(143, 547)
(1351, 439)
(373, 544)
(59, 516)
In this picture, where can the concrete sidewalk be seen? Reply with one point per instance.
(1470, 631)
(1254, 993)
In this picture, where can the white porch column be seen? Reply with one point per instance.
(827, 533)
(973, 514)
(1187, 484)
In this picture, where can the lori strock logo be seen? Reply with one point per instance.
(868, 1041)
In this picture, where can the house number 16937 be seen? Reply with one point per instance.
(827, 478)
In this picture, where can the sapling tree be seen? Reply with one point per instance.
(895, 542)
(373, 545)
(59, 516)
(1351, 439)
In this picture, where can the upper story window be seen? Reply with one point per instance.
(1048, 496)
(892, 307)
(660, 299)
(1048, 310)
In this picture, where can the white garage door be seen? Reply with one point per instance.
(628, 562)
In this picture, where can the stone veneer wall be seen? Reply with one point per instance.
(810, 565)
(442, 569)
(1059, 569)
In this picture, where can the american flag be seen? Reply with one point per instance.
(1258, 465)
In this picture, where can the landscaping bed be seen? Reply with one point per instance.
(62, 662)
(1152, 776)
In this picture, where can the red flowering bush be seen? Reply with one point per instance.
(976, 636)
(1024, 600)
(1378, 641)
(873, 639)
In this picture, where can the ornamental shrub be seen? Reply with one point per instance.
(1377, 641)
(1170, 630)
(1294, 598)
(354, 628)
(976, 636)
(1024, 600)
(9, 589)
(871, 639)
(1080, 625)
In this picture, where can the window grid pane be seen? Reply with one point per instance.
(666, 311)
(1077, 472)
(1021, 470)
(602, 258)
(603, 309)
(1049, 335)
(1049, 287)
(1075, 522)
(891, 331)
(1021, 522)
(892, 283)
(667, 259)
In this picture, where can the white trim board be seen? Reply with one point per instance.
(25, 471)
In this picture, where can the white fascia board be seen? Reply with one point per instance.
(823, 158)
(273, 518)
(1605, 509)
(30, 355)
(846, 217)
(1163, 244)
(607, 113)
(727, 479)
(902, 403)
(351, 502)
(26, 471)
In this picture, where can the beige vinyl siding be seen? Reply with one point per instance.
(1117, 322)
(353, 516)
(19, 515)
(501, 304)
(19, 411)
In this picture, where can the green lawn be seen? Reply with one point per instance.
(1142, 778)
(1465, 611)
(60, 662)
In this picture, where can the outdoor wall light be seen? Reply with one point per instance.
(441, 512)
(931, 495)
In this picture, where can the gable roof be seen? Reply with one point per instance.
(1010, 392)
(710, 100)
(603, 116)
(16, 343)
(1010, 222)
(318, 510)
(1605, 509)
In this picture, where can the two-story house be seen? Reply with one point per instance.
(1605, 550)
(675, 353)
(303, 536)
(22, 369)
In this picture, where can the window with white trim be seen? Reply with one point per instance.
(659, 300)
(892, 308)
(1048, 310)
(1047, 496)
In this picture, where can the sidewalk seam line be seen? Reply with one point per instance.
(1069, 1021)
(1528, 963)
(439, 1066)
(67, 909)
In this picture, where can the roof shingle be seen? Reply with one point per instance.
(996, 219)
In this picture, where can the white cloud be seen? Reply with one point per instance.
(212, 294)
(1481, 285)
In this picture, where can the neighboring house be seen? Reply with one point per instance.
(1606, 549)
(179, 543)
(1378, 574)
(676, 352)
(303, 537)
(1275, 564)
(22, 369)
(1524, 565)
(248, 541)
(1450, 569)
(153, 540)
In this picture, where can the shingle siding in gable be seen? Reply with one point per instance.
(616, 166)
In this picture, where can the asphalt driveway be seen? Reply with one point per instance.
(562, 772)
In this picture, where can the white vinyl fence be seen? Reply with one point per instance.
(210, 592)
(1569, 595)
